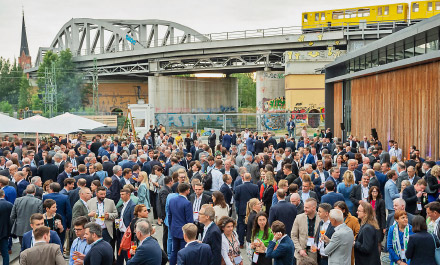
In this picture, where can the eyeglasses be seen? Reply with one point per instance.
(77, 230)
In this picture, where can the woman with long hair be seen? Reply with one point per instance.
(140, 211)
(268, 191)
(345, 188)
(434, 183)
(351, 221)
(221, 208)
(421, 245)
(253, 207)
(366, 251)
(405, 183)
(261, 235)
(398, 236)
(230, 244)
(144, 189)
(340, 162)
(378, 204)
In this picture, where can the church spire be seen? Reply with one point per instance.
(24, 43)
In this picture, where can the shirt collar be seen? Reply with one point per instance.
(190, 243)
(94, 243)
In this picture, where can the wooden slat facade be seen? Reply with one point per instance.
(337, 109)
(402, 105)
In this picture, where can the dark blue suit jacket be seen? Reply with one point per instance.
(332, 197)
(309, 159)
(226, 142)
(99, 253)
(285, 212)
(213, 238)
(27, 240)
(21, 187)
(5, 221)
(243, 193)
(227, 193)
(122, 181)
(181, 213)
(112, 147)
(357, 174)
(148, 253)
(128, 213)
(382, 180)
(63, 207)
(129, 165)
(115, 189)
(61, 177)
(195, 254)
(283, 254)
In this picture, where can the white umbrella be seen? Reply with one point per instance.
(69, 123)
(37, 124)
(8, 124)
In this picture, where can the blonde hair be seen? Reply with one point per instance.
(183, 171)
(369, 215)
(348, 178)
(269, 177)
(145, 180)
(250, 204)
(283, 183)
(435, 171)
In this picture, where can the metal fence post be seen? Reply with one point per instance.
(197, 129)
(224, 122)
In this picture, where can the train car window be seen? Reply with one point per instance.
(429, 6)
(386, 11)
(350, 13)
(322, 16)
(415, 7)
(437, 6)
(364, 12)
(379, 11)
(399, 9)
(305, 18)
(338, 14)
(316, 16)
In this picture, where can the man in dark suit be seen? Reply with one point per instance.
(73, 195)
(101, 252)
(149, 252)
(82, 170)
(243, 193)
(281, 249)
(67, 173)
(108, 165)
(63, 205)
(226, 142)
(5, 226)
(20, 182)
(37, 220)
(259, 145)
(180, 213)
(115, 188)
(283, 211)
(81, 158)
(226, 190)
(360, 192)
(324, 225)
(211, 140)
(127, 175)
(230, 170)
(194, 253)
(331, 196)
(115, 147)
(413, 196)
(351, 165)
(126, 213)
(48, 171)
(197, 199)
(211, 233)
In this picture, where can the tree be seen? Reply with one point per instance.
(10, 78)
(246, 90)
(24, 97)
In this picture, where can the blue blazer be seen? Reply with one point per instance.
(10, 194)
(27, 240)
(21, 187)
(357, 174)
(5, 221)
(112, 147)
(227, 192)
(213, 238)
(243, 193)
(63, 207)
(250, 144)
(149, 253)
(128, 213)
(195, 254)
(285, 212)
(332, 197)
(181, 213)
(61, 177)
(283, 254)
(226, 142)
(309, 159)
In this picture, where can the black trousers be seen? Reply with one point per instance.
(165, 237)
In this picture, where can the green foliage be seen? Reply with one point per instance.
(246, 90)
(36, 102)
(10, 78)
(5, 107)
(24, 97)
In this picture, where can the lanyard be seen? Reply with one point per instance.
(47, 223)
(77, 246)
(232, 244)
(97, 208)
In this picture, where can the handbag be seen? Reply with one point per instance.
(125, 241)
(437, 250)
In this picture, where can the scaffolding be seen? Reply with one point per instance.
(95, 86)
(50, 93)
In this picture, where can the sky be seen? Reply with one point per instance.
(44, 18)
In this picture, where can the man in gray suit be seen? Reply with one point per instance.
(80, 207)
(340, 245)
(403, 175)
(22, 210)
(42, 252)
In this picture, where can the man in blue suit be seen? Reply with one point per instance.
(331, 196)
(126, 213)
(180, 214)
(63, 205)
(283, 211)
(351, 165)
(250, 141)
(243, 193)
(226, 142)
(281, 249)
(5, 226)
(211, 233)
(148, 252)
(20, 182)
(37, 220)
(67, 173)
(307, 158)
(194, 253)
(115, 147)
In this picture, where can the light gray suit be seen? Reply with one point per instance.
(21, 213)
(340, 246)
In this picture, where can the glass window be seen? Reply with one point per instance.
(362, 62)
(386, 11)
(409, 47)
(368, 60)
(374, 58)
(316, 16)
(399, 9)
(379, 11)
(338, 14)
(432, 40)
(322, 16)
(357, 66)
(364, 12)
(399, 51)
(382, 56)
(420, 44)
(437, 6)
(415, 7)
(351, 66)
(390, 53)
(305, 18)
(429, 6)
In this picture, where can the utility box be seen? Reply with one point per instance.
(142, 116)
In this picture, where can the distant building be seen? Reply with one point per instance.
(25, 59)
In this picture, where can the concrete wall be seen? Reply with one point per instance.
(170, 94)
(305, 93)
(270, 91)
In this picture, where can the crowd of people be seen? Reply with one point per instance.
(237, 196)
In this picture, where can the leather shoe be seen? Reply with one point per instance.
(241, 246)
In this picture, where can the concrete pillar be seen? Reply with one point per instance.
(170, 94)
(270, 91)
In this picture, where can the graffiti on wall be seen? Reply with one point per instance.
(274, 105)
(305, 114)
(273, 122)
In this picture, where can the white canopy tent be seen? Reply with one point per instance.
(70, 123)
(8, 124)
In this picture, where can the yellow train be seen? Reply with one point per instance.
(352, 16)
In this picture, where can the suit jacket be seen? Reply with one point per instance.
(233, 172)
(100, 253)
(357, 174)
(340, 245)
(109, 207)
(48, 171)
(149, 253)
(356, 196)
(226, 143)
(409, 195)
(285, 212)
(300, 230)
(63, 207)
(122, 181)
(283, 254)
(115, 189)
(88, 179)
(332, 197)
(329, 233)
(5, 220)
(180, 214)
(21, 213)
(312, 194)
(73, 195)
(194, 253)
(213, 237)
(206, 199)
(402, 176)
(21, 186)
(243, 193)
(259, 146)
(211, 139)
(42, 253)
(79, 209)
(108, 166)
(61, 177)
(366, 251)
(27, 240)
(34, 170)
(420, 248)
(163, 194)
(227, 193)
(128, 213)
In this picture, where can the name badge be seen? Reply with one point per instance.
(419, 206)
(310, 241)
(238, 259)
(254, 258)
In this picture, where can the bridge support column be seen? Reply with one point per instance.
(270, 99)
(171, 94)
